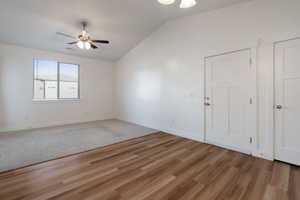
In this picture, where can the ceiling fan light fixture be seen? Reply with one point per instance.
(87, 45)
(84, 40)
(166, 2)
(80, 44)
(187, 3)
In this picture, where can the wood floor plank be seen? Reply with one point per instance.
(154, 167)
(294, 192)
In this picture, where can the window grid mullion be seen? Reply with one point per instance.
(58, 79)
(44, 89)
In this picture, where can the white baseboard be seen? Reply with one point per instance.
(52, 124)
(177, 132)
(266, 157)
(184, 134)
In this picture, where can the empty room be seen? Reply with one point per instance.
(150, 99)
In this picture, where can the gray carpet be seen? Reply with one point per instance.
(19, 149)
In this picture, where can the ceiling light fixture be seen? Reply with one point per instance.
(187, 3)
(183, 4)
(166, 2)
(87, 45)
(84, 40)
(80, 44)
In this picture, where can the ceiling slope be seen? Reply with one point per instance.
(33, 23)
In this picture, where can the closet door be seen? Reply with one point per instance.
(230, 100)
(287, 100)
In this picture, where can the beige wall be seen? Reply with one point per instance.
(18, 111)
(160, 82)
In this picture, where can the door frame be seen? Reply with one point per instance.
(274, 132)
(253, 60)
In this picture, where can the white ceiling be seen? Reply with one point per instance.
(33, 23)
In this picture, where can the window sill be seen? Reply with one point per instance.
(55, 100)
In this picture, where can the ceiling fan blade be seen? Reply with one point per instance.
(101, 41)
(72, 42)
(65, 35)
(93, 46)
(70, 49)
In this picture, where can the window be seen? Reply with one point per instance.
(55, 80)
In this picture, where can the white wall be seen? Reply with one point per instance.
(160, 82)
(18, 111)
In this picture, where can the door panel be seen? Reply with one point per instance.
(291, 58)
(236, 110)
(287, 99)
(230, 84)
(220, 96)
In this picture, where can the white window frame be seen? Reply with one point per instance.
(58, 82)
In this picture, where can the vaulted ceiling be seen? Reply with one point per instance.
(34, 23)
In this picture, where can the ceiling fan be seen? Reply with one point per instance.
(183, 4)
(84, 40)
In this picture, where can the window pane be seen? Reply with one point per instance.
(68, 90)
(45, 79)
(68, 81)
(50, 89)
(45, 70)
(38, 89)
(68, 72)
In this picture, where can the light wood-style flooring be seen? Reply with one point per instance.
(154, 167)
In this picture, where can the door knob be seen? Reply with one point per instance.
(279, 107)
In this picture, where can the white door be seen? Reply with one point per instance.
(287, 100)
(230, 101)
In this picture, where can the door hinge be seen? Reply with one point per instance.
(250, 61)
(251, 100)
(251, 140)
